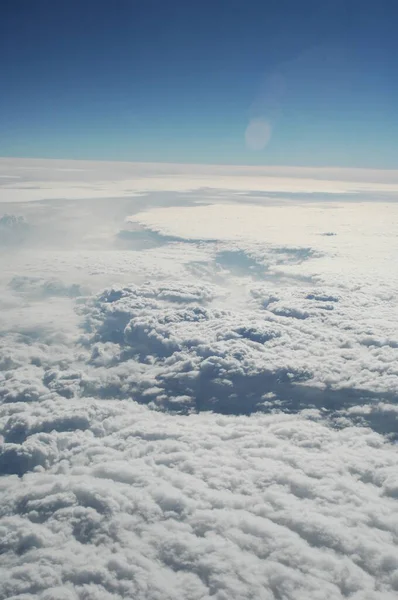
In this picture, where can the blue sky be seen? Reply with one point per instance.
(270, 82)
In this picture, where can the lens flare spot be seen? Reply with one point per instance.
(258, 134)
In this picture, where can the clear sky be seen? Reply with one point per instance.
(250, 82)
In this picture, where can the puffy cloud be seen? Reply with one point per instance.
(13, 229)
(149, 505)
(210, 416)
(116, 500)
(144, 344)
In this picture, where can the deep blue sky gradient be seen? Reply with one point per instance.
(180, 81)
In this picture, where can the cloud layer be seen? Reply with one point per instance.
(198, 393)
(119, 501)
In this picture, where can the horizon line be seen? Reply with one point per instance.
(205, 164)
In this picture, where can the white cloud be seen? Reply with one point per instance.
(13, 230)
(56, 179)
(143, 504)
(117, 480)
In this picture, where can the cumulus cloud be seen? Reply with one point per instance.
(295, 346)
(13, 229)
(123, 502)
(197, 402)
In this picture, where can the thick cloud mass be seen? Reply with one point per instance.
(197, 403)
(176, 348)
(125, 502)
